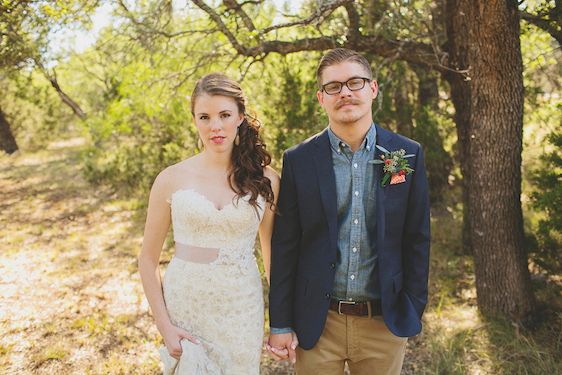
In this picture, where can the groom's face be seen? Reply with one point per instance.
(348, 106)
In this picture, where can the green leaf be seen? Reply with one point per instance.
(385, 179)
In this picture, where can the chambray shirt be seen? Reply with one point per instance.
(356, 267)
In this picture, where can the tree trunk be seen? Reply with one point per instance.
(484, 36)
(7, 140)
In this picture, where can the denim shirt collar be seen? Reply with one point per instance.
(368, 143)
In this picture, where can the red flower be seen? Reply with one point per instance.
(387, 161)
(401, 172)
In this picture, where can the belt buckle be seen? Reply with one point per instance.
(344, 302)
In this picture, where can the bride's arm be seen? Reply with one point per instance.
(155, 231)
(266, 225)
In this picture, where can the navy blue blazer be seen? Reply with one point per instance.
(304, 243)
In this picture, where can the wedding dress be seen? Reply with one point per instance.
(219, 302)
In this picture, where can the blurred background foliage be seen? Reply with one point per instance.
(133, 84)
(126, 93)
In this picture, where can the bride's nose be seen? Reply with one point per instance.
(216, 125)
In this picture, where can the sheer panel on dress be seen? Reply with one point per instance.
(196, 254)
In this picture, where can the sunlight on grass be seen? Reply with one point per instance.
(456, 338)
(56, 352)
(72, 300)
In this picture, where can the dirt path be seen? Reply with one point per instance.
(70, 295)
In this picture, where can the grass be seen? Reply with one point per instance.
(457, 339)
(72, 302)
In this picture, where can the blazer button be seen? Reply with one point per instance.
(328, 296)
(332, 265)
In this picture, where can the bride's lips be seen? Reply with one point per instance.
(218, 139)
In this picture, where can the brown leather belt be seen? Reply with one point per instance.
(367, 308)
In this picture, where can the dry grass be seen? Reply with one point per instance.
(70, 295)
(71, 300)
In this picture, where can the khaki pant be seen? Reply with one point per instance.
(366, 344)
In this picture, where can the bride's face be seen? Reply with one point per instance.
(217, 119)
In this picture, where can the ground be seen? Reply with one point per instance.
(71, 300)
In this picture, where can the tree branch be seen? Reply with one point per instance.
(52, 78)
(553, 26)
(233, 5)
(222, 27)
(353, 33)
(321, 12)
(406, 50)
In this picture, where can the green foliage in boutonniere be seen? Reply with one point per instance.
(395, 163)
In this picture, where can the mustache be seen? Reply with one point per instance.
(343, 102)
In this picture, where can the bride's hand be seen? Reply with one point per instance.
(172, 336)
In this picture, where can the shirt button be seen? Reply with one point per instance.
(356, 193)
(328, 296)
(368, 148)
(352, 277)
(332, 265)
(354, 249)
(354, 165)
(356, 221)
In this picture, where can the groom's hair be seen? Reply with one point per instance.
(338, 56)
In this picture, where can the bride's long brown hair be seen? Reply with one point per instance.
(249, 157)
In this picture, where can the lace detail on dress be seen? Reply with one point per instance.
(220, 303)
(197, 222)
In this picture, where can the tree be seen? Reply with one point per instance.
(546, 15)
(24, 29)
(7, 140)
(490, 126)
(487, 94)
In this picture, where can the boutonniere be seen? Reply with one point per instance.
(396, 167)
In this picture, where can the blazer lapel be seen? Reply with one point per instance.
(384, 140)
(327, 183)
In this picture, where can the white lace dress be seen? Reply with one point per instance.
(221, 303)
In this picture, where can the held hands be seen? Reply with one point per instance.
(282, 346)
(172, 336)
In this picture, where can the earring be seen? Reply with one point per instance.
(237, 138)
(199, 143)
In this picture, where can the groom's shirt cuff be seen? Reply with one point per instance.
(277, 331)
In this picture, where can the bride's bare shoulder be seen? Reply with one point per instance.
(175, 175)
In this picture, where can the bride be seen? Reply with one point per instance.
(209, 305)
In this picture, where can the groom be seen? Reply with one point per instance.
(350, 256)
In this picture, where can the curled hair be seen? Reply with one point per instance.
(249, 157)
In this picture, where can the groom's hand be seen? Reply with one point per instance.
(282, 346)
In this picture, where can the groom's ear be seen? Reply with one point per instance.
(320, 97)
(375, 87)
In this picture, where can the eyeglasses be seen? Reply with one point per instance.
(353, 84)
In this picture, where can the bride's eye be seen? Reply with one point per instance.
(225, 115)
(203, 117)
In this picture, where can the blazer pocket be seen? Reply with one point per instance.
(398, 191)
